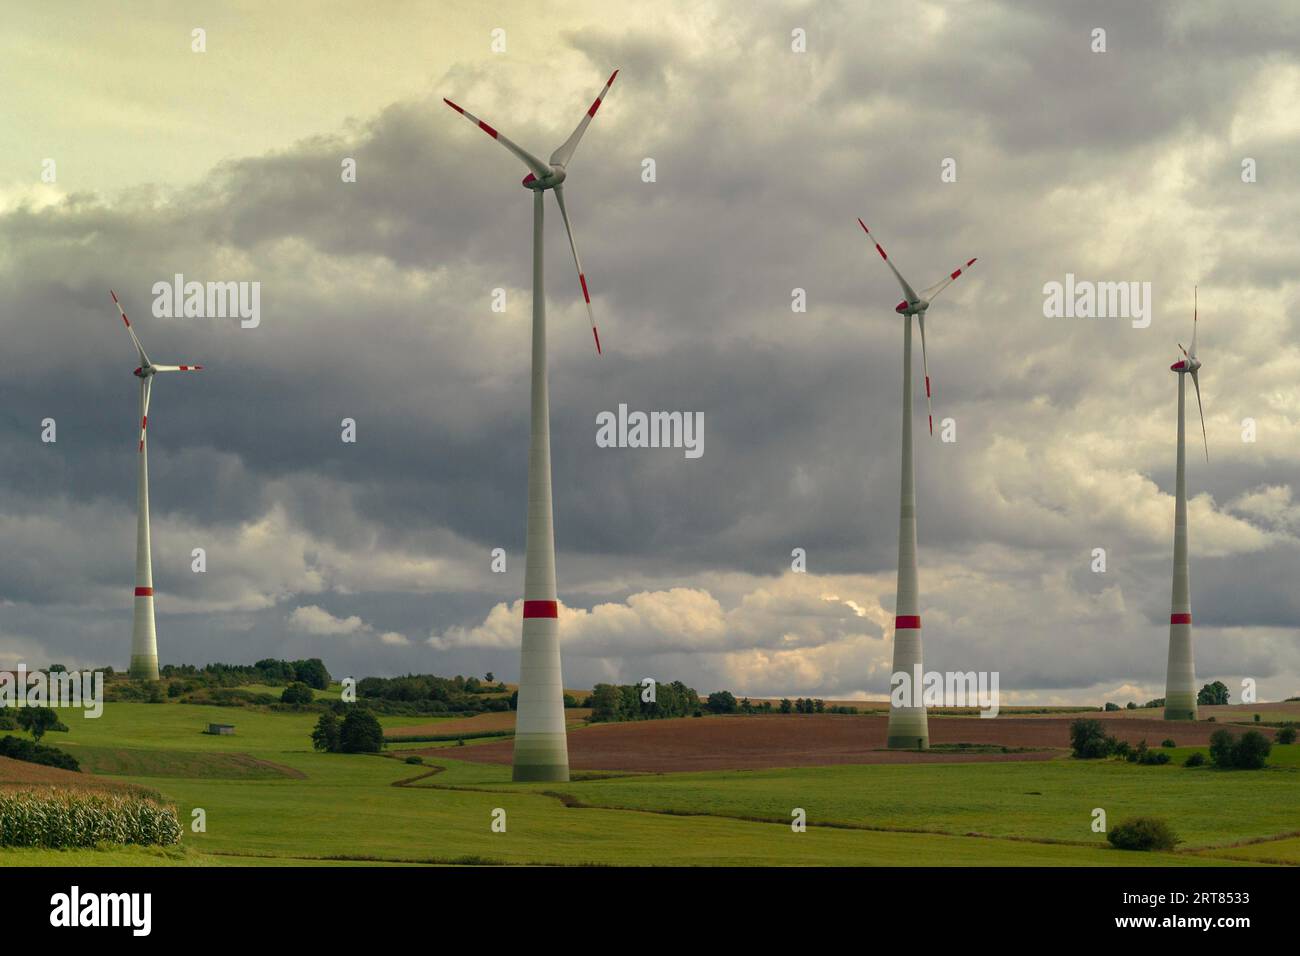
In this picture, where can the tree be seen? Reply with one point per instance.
(489, 677)
(786, 706)
(37, 720)
(1285, 736)
(1088, 739)
(361, 733)
(296, 693)
(1215, 693)
(326, 735)
(312, 672)
(721, 702)
(606, 702)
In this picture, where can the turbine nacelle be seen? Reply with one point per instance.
(912, 308)
(536, 183)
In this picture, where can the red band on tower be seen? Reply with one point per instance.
(1180, 618)
(911, 622)
(541, 609)
(144, 592)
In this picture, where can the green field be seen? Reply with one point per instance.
(269, 798)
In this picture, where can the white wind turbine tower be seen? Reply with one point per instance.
(541, 747)
(908, 726)
(144, 639)
(1180, 678)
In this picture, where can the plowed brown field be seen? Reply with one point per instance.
(20, 773)
(809, 740)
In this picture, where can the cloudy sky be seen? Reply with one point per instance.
(376, 304)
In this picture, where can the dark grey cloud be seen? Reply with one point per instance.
(376, 306)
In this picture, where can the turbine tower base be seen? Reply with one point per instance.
(143, 668)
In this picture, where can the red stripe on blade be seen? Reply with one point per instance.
(931, 424)
(144, 592)
(882, 252)
(594, 106)
(611, 77)
(969, 264)
(955, 274)
(927, 386)
(583, 279)
(541, 609)
(1180, 619)
(453, 105)
(910, 622)
(487, 129)
(596, 335)
(126, 320)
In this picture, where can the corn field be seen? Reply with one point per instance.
(62, 818)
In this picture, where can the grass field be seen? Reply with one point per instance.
(270, 799)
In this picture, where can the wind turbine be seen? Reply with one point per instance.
(541, 747)
(909, 728)
(1180, 678)
(144, 638)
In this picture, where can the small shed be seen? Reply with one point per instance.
(220, 729)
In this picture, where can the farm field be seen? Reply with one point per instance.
(270, 799)
(812, 740)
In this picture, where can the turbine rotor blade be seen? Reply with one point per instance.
(146, 389)
(532, 162)
(582, 278)
(144, 359)
(178, 368)
(907, 289)
(1194, 323)
(562, 155)
(932, 291)
(925, 367)
(1196, 380)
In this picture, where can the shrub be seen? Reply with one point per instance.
(8, 721)
(1168, 742)
(1196, 759)
(80, 818)
(360, 733)
(1142, 833)
(1257, 718)
(18, 749)
(415, 758)
(1111, 707)
(1248, 752)
(1285, 736)
(1221, 748)
(296, 693)
(1251, 751)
